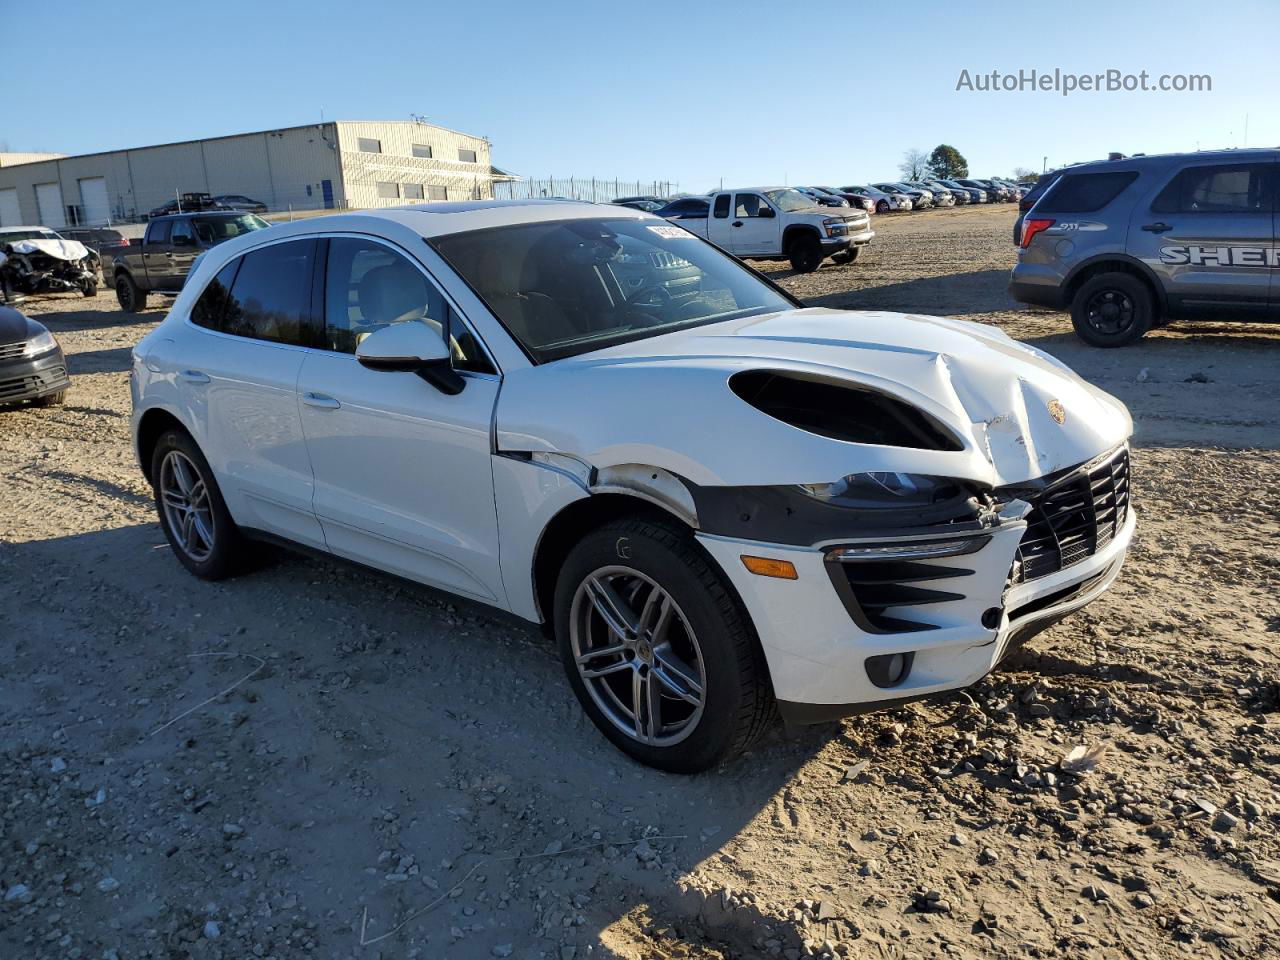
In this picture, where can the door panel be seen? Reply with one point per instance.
(750, 233)
(180, 256)
(1211, 232)
(403, 475)
(245, 394)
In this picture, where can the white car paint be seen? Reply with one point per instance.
(457, 491)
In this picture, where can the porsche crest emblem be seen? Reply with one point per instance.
(1057, 411)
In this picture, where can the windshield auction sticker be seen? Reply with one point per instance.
(671, 233)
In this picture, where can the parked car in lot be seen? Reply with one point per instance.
(920, 199)
(995, 192)
(160, 261)
(36, 260)
(187, 203)
(853, 199)
(461, 395)
(959, 196)
(976, 194)
(1129, 244)
(822, 198)
(32, 367)
(884, 201)
(779, 223)
(648, 205)
(941, 196)
(684, 208)
(238, 201)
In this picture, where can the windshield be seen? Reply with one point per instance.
(572, 286)
(789, 201)
(215, 230)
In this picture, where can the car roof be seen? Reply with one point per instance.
(199, 213)
(441, 219)
(1239, 154)
(34, 226)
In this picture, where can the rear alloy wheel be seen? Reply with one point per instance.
(131, 298)
(193, 515)
(658, 649)
(1112, 310)
(805, 254)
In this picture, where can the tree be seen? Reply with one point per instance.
(1024, 174)
(946, 162)
(913, 165)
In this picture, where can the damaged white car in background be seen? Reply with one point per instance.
(723, 504)
(36, 260)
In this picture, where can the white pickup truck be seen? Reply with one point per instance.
(776, 223)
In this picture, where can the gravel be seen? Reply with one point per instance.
(388, 718)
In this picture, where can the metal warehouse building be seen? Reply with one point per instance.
(335, 165)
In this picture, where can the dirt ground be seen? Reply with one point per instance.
(402, 775)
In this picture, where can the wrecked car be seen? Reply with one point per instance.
(36, 260)
(722, 504)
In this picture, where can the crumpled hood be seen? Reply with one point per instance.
(58, 249)
(665, 401)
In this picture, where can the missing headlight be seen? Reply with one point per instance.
(841, 411)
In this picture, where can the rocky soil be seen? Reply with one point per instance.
(312, 761)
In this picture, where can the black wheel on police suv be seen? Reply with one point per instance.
(130, 296)
(193, 514)
(805, 253)
(657, 647)
(1112, 310)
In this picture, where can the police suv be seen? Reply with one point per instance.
(1129, 244)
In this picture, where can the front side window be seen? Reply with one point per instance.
(467, 156)
(369, 286)
(722, 206)
(388, 191)
(1230, 188)
(181, 234)
(748, 205)
(1085, 192)
(369, 145)
(569, 287)
(271, 294)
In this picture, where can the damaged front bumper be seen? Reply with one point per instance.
(951, 605)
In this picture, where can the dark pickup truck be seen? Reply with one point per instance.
(161, 260)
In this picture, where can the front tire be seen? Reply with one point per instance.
(193, 514)
(805, 254)
(882, 206)
(52, 399)
(131, 297)
(89, 288)
(1112, 310)
(847, 256)
(658, 649)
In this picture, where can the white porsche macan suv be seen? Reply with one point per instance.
(722, 504)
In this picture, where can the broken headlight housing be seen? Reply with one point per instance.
(882, 490)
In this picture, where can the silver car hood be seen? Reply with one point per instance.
(665, 401)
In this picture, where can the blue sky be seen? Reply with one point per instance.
(691, 92)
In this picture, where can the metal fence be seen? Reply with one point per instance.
(593, 189)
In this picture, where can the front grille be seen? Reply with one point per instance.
(18, 387)
(1073, 518)
(9, 351)
(877, 586)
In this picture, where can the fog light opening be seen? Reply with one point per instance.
(889, 669)
(991, 617)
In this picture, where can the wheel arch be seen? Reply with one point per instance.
(796, 231)
(152, 425)
(1113, 263)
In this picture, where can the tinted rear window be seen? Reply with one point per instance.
(212, 304)
(271, 294)
(1085, 192)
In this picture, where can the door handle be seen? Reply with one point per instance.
(320, 400)
(193, 376)
(737, 223)
(1158, 227)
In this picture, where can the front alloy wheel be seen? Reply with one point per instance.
(637, 656)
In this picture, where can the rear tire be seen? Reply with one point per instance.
(193, 514)
(131, 297)
(1112, 310)
(805, 254)
(681, 621)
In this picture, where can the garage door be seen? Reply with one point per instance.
(10, 212)
(49, 202)
(94, 207)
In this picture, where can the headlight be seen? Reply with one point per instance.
(881, 490)
(40, 343)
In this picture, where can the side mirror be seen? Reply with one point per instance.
(411, 347)
(766, 212)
